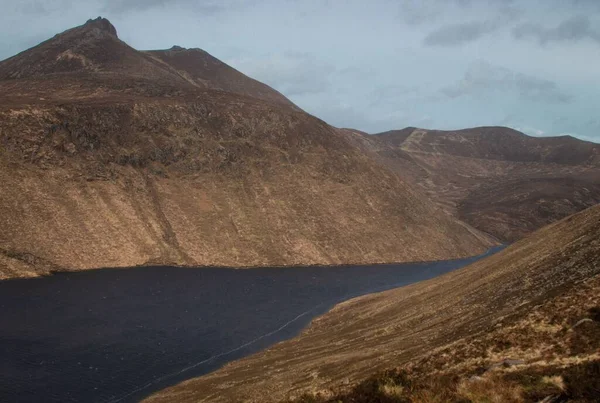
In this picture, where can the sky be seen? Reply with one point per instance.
(376, 65)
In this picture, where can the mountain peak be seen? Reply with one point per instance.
(102, 24)
(94, 51)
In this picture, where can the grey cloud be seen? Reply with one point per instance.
(119, 6)
(293, 74)
(457, 34)
(593, 126)
(499, 15)
(482, 78)
(204, 6)
(416, 13)
(34, 7)
(573, 29)
(341, 114)
(539, 89)
(384, 96)
(356, 72)
(41, 7)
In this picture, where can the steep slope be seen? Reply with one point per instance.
(497, 179)
(500, 307)
(119, 158)
(206, 71)
(513, 207)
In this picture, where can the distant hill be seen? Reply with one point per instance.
(497, 143)
(521, 325)
(116, 157)
(496, 179)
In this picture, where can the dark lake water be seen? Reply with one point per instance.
(117, 335)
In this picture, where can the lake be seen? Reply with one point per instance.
(117, 335)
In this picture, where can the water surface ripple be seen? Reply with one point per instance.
(117, 335)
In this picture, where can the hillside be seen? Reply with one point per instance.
(520, 325)
(496, 179)
(113, 157)
(201, 69)
(498, 143)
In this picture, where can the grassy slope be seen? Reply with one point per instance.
(496, 179)
(401, 327)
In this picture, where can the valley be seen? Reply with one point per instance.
(116, 158)
(502, 307)
(412, 265)
(134, 331)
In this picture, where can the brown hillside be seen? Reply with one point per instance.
(499, 143)
(117, 158)
(521, 304)
(206, 71)
(516, 207)
(494, 178)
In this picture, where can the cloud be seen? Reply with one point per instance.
(483, 78)
(457, 34)
(416, 13)
(342, 114)
(39, 7)
(384, 96)
(203, 6)
(576, 28)
(119, 6)
(293, 74)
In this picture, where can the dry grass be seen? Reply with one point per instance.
(494, 178)
(474, 369)
(578, 383)
(489, 390)
(520, 305)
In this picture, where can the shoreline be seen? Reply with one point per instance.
(488, 252)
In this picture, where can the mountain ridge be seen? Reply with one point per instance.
(117, 135)
(92, 56)
(127, 161)
(499, 180)
(523, 148)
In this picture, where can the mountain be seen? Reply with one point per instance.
(497, 143)
(521, 325)
(496, 179)
(114, 157)
(91, 57)
(203, 70)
